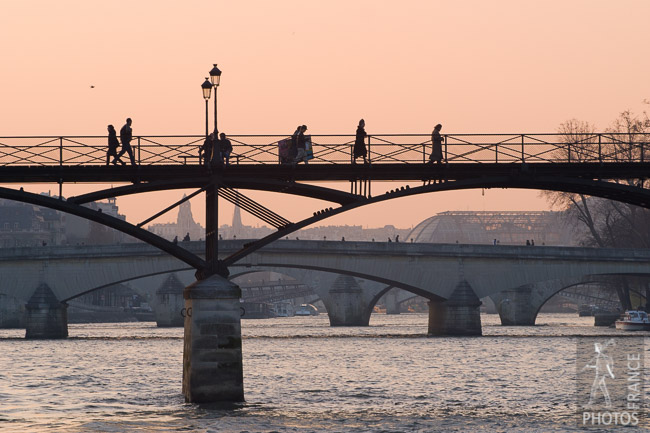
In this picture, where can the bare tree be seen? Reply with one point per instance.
(608, 223)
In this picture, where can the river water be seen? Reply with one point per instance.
(300, 375)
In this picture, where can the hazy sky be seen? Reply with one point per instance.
(474, 66)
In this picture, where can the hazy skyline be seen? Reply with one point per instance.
(474, 66)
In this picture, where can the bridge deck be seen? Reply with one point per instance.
(320, 172)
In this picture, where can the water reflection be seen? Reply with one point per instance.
(301, 375)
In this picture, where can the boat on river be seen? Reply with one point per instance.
(633, 320)
(306, 310)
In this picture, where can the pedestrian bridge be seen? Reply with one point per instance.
(359, 272)
(589, 164)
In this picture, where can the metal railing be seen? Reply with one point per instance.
(337, 149)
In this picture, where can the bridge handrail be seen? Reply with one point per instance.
(337, 149)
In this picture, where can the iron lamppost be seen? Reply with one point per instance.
(215, 77)
(207, 89)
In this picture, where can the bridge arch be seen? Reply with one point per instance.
(356, 274)
(592, 278)
(521, 178)
(521, 305)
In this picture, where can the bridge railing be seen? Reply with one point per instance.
(336, 149)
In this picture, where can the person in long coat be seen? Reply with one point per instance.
(436, 140)
(113, 144)
(360, 143)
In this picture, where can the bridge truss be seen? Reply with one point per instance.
(609, 165)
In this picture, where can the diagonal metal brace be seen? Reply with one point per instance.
(168, 208)
(252, 207)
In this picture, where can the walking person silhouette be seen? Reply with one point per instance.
(126, 135)
(301, 146)
(113, 144)
(360, 143)
(436, 140)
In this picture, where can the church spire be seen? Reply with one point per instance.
(236, 221)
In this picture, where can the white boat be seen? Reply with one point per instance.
(283, 309)
(306, 310)
(634, 320)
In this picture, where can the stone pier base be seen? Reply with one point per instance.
(515, 307)
(170, 303)
(212, 351)
(458, 315)
(345, 306)
(45, 316)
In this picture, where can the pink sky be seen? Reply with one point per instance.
(474, 66)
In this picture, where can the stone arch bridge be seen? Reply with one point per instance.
(348, 276)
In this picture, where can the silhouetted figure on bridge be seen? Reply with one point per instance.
(225, 146)
(215, 160)
(187, 237)
(113, 144)
(301, 146)
(293, 147)
(126, 135)
(205, 152)
(436, 140)
(360, 143)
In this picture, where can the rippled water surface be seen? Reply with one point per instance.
(300, 375)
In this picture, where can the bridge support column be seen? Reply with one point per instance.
(11, 313)
(170, 303)
(46, 316)
(516, 308)
(392, 305)
(345, 306)
(458, 315)
(212, 350)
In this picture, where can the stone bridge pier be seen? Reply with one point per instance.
(345, 303)
(46, 316)
(515, 306)
(170, 303)
(457, 315)
(519, 306)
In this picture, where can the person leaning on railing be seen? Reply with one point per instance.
(225, 146)
(205, 151)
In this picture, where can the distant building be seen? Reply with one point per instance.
(24, 225)
(184, 224)
(506, 227)
(83, 231)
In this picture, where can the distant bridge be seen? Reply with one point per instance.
(506, 273)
